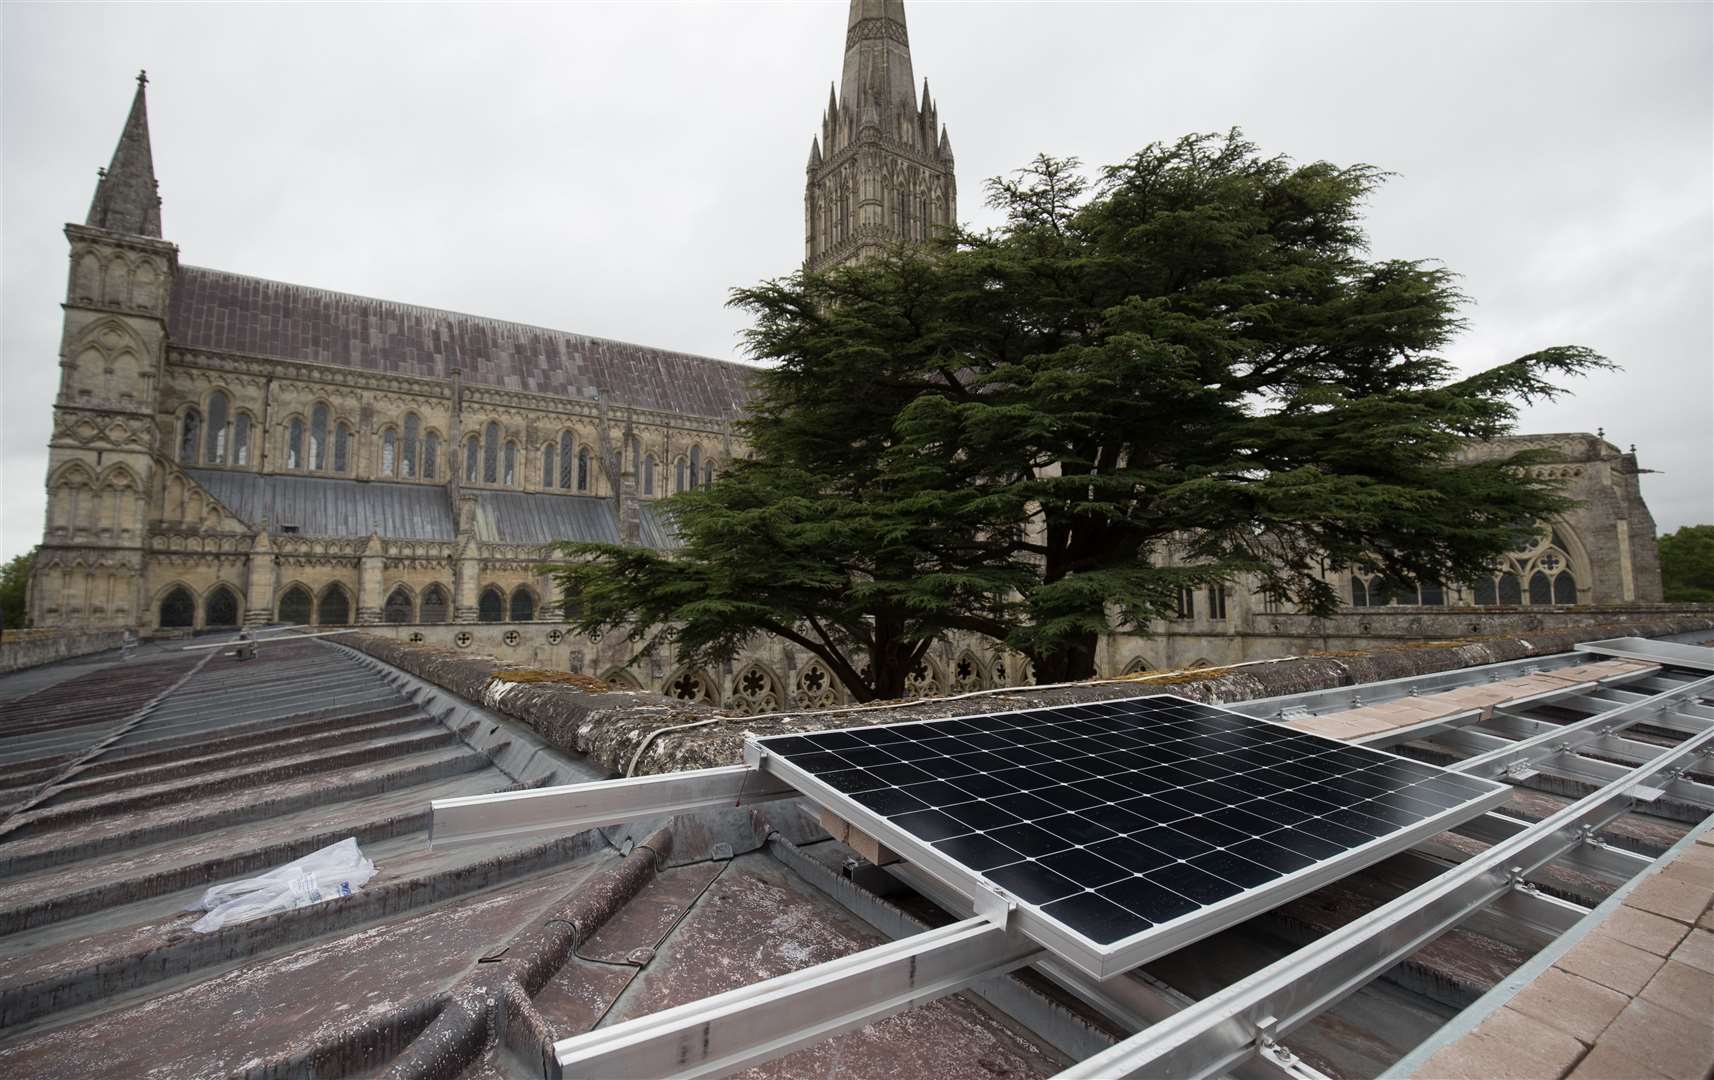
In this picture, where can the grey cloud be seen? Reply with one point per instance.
(614, 169)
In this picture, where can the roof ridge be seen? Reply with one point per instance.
(467, 315)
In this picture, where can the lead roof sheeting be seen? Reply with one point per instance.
(658, 530)
(232, 313)
(525, 517)
(326, 507)
(1131, 821)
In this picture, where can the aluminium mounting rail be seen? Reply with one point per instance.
(572, 808)
(1248, 1018)
(1235, 1028)
(752, 1024)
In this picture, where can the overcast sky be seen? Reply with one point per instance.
(614, 169)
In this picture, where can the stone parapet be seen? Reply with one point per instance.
(639, 732)
(32, 648)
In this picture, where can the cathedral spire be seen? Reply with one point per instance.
(125, 196)
(877, 58)
(878, 178)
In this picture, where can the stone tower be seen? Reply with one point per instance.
(103, 451)
(880, 172)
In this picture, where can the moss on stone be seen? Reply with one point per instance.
(541, 675)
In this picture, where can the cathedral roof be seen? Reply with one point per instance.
(233, 313)
(329, 507)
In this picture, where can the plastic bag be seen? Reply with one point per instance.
(335, 870)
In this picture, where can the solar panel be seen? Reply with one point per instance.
(1124, 829)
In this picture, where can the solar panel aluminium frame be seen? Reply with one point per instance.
(1088, 956)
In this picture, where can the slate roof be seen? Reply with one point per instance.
(232, 313)
(320, 506)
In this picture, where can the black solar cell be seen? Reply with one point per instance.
(1116, 817)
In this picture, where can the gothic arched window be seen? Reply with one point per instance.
(178, 609)
(398, 606)
(1541, 589)
(241, 440)
(295, 606)
(1485, 592)
(221, 608)
(408, 448)
(511, 464)
(217, 409)
(523, 604)
(1433, 594)
(491, 454)
(649, 474)
(708, 472)
(190, 433)
(547, 465)
(470, 455)
(1359, 592)
(491, 606)
(695, 465)
(431, 453)
(389, 451)
(583, 469)
(341, 447)
(1511, 590)
(1565, 589)
(565, 460)
(295, 444)
(334, 608)
(678, 475)
(435, 605)
(318, 437)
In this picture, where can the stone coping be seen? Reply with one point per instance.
(1484, 699)
(640, 732)
(1632, 1000)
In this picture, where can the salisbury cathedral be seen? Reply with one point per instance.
(229, 450)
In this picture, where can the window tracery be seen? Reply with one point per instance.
(816, 688)
(318, 438)
(408, 447)
(217, 412)
(754, 691)
(190, 435)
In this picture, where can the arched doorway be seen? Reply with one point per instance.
(295, 605)
(434, 605)
(221, 608)
(178, 609)
(335, 607)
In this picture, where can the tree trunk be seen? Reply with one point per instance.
(1074, 661)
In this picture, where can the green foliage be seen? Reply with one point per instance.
(1687, 565)
(1181, 371)
(14, 584)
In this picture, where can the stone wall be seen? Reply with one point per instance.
(32, 648)
(639, 732)
(1257, 635)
